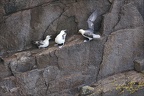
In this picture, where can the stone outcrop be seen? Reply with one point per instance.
(121, 48)
(54, 70)
(128, 83)
(27, 71)
(123, 26)
(139, 65)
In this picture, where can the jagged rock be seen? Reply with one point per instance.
(111, 1)
(123, 15)
(32, 20)
(19, 62)
(17, 30)
(111, 18)
(131, 17)
(4, 71)
(120, 50)
(8, 87)
(42, 17)
(139, 65)
(86, 90)
(72, 57)
(128, 83)
(59, 72)
(42, 82)
(14, 6)
(57, 69)
(138, 4)
(22, 63)
(1, 12)
(125, 38)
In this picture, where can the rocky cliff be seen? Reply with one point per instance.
(28, 71)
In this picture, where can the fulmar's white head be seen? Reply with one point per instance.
(81, 31)
(63, 32)
(43, 43)
(60, 38)
(48, 37)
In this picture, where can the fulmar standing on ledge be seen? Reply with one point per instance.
(89, 33)
(43, 43)
(60, 38)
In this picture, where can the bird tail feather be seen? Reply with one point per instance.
(96, 36)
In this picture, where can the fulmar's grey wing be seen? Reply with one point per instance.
(89, 30)
(63, 36)
(39, 42)
(88, 34)
(91, 20)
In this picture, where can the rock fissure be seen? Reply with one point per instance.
(45, 3)
(119, 18)
(53, 21)
(57, 58)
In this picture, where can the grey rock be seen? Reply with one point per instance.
(122, 19)
(139, 65)
(86, 90)
(69, 58)
(122, 84)
(16, 28)
(111, 1)
(55, 72)
(17, 5)
(32, 83)
(30, 20)
(122, 15)
(60, 72)
(131, 17)
(1, 12)
(8, 87)
(19, 62)
(22, 63)
(138, 4)
(121, 48)
(112, 17)
(4, 71)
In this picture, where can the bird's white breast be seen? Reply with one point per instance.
(59, 39)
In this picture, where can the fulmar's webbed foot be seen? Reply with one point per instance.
(88, 39)
(60, 46)
(85, 40)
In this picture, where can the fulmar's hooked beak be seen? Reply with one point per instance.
(65, 30)
(49, 36)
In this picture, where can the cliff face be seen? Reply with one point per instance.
(60, 72)
(26, 20)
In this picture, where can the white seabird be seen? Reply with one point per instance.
(43, 43)
(60, 38)
(89, 33)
